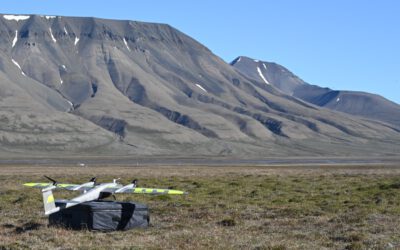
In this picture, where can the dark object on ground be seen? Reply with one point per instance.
(103, 216)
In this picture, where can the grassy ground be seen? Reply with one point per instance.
(228, 207)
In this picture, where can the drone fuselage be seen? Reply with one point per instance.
(96, 193)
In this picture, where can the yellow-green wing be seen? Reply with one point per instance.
(44, 185)
(138, 190)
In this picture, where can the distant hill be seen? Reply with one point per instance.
(89, 86)
(363, 104)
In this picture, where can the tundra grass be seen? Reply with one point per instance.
(227, 208)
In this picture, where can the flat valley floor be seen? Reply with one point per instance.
(228, 207)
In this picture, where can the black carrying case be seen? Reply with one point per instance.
(103, 216)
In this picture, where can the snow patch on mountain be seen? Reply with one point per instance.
(17, 64)
(52, 37)
(76, 40)
(16, 17)
(71, 104)
(201, 87)
(261, 75)
(126, 44)
(15, 39)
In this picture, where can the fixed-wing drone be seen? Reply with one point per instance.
(90, 191)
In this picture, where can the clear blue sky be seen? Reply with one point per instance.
(341, 44)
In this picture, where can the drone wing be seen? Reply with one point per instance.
(71, 187)
(139, 190)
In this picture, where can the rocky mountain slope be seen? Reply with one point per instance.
(362, 104)
(89, 86)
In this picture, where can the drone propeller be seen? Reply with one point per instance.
(52, 180)
(93, 180)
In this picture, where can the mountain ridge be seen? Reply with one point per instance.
(103, 87)
(364, 104)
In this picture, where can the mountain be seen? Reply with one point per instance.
(89, 86)
(362, 104)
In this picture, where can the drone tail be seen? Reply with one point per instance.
(48, 201)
